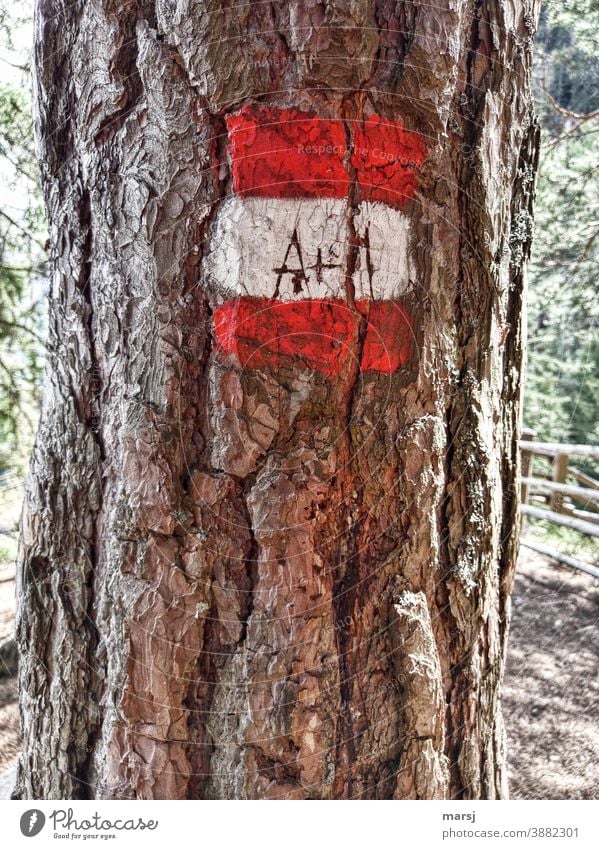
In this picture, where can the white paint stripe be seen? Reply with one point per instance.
(252, 236)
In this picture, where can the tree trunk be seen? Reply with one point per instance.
(269, 538)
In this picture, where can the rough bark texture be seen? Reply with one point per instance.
(237, 583)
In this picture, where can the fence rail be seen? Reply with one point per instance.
(551, 448)
(566, 559)
(587, 528)
(579, 493)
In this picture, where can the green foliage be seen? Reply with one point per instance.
(8, 550)
(562, 389)
(571, 22)
(22, 251)
(566, 48)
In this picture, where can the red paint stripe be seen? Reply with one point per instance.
(269, 158)
(386, 156)
(318, 333)
(280, 153)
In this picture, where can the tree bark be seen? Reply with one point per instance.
(240, 582)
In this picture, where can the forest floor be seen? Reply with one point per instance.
(550, 690)
(551, 686)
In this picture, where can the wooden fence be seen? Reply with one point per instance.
(560, 493)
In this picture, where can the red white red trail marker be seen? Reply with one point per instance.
(314, 241)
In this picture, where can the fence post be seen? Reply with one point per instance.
(559, 472)
(527, 435)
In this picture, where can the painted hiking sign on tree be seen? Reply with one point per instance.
(270, 529)
(314, 246)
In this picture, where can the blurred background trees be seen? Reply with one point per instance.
(22, 246)
(23, 273)
(562, 387)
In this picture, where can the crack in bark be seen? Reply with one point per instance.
(251, 563)
(125, 64)
(400, 28)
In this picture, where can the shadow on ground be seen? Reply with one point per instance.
(551, 685)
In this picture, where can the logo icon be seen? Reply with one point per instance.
(32, 822)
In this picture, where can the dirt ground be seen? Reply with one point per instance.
(551, 686)
(550, 691)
